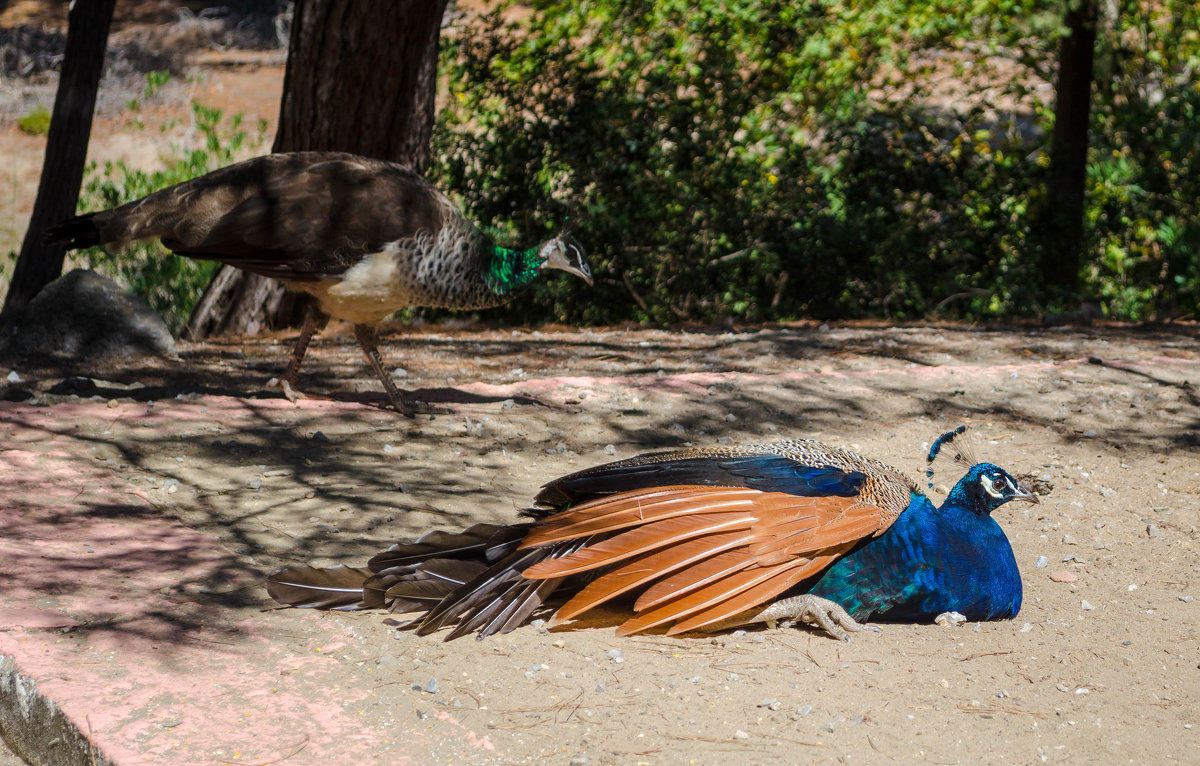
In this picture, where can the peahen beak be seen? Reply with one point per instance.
(567, 254)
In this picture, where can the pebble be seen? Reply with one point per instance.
(950, 619)
(1085, 606)
(13, 377)
(739, 734)
(319, 436)
(1068, 540)
(400, 372)
(1042, 561)
(255, 483)
(1186, 599)
(1106, 492)
(113, 403)
(431, 687)
(771, 703)
(804, 709)
(1153, 531)
(615, 655)
(509, 404)
(610, 449)
(1064, 576)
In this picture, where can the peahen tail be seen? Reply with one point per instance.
(80, 231)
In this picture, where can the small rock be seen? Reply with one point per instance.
(112, 403)
(1086, 606)
(13, 377)
(1042, 561)
(399, 372)
(509, 404)
(1186, 599)
(610, 449)
(255, 483)
(431, 687)
(1025, 628)
(1068, 540)
(739, 734)
(1106, 492)
(950, 619)
(319, 436)
(804, 709)
(615, 655)
(1154, 532)
(388, 449)
(770, 703)
(1064, 576)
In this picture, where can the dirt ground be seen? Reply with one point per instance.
(1101, 665)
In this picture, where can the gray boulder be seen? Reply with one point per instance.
(83, 315)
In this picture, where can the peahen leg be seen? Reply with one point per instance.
(807, 608)
(366, 336)
(314, 321)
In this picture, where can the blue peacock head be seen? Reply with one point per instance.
(986, 486)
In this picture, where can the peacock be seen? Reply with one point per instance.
(705, 539)
(364, 237)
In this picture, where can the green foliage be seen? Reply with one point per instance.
(170, 283)
(36, 122)
(771, 160)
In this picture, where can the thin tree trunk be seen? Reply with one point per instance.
(66, 149)
(361, 77)
(1063, 232)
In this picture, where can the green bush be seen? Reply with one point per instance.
(766, 161)
(36, 122)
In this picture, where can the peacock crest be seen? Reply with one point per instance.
(957, 446)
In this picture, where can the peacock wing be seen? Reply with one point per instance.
(701, 553)
(338, 587)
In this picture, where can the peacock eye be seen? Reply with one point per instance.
(998, 484)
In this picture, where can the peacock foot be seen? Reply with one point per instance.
(813, 610)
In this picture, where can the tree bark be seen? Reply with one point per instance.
(361, 77)
(1062, 253)
(66, 149)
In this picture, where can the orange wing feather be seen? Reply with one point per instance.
(705, 553)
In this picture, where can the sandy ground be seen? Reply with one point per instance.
(1102, 668)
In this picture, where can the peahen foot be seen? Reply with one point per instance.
(289, 391)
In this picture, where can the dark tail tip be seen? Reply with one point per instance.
(81, 231)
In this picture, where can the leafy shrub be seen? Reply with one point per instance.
(36, 122)
(773, 160)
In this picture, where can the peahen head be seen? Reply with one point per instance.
(563, 252)
(986, 486)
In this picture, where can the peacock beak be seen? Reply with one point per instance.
(1026, 494)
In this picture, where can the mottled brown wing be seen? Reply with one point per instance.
(701, 553)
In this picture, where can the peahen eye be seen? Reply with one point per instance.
(999, 484)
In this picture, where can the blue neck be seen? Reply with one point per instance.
(929, 561)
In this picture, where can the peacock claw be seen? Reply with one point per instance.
(818, 612)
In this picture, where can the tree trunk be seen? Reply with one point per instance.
(66, 149)
(361, 77)
(1062, 253)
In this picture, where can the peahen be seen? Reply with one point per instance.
(708, 539)
(365, 237)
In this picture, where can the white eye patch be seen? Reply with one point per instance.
(987, 481)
